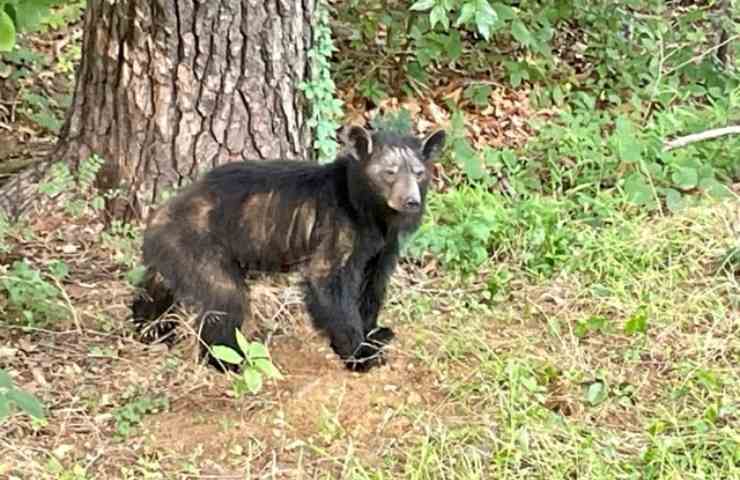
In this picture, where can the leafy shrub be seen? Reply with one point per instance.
(549, 43)
(624, 78)
(32, 295)
(11, 397)
(468, 225)
(586, 151)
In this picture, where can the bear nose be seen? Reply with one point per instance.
(412, 203)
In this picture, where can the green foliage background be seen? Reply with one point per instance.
(623, 77)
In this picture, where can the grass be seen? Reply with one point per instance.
(529, 395)
(622, 364)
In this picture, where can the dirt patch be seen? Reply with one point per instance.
(318, 403)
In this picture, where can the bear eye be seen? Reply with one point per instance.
(390, 172)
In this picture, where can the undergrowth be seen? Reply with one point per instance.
(620, 365)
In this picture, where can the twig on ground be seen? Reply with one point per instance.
(69, 305)
(698, 137)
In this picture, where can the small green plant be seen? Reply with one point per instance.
(32, 294)
(20, 15)
(637, 323)
(68, 59)
(596, 392)
(476, 13)
(80, 183)
(124, 240)
(326, 109)
(330, 428)
(593, 324)
(254, 366)
(130, 415)
(60, 472)
(58, 180)
(43, 110)
(12, 397)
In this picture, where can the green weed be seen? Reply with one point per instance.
(130, 415)
(33, 296)
(254, 366)
(12, 397)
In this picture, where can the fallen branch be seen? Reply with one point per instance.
(10, 167)
(698, 137)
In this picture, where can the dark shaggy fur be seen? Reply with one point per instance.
(339, 223)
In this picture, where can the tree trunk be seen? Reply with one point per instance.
(169, 88)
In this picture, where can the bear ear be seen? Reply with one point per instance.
(360, 140)
(433, 145)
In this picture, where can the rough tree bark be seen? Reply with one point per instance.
(168, 88)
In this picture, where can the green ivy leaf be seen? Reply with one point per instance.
(673, 199)
(226, 354)
(715, 188)
(628, 147)
(517, 73)
(453, 45)
(485, 18)
(637, 189)
(478, 94)
(630, 150)
(637, 323)
(520, 33)
(252, 379)
(30, 13)
(58, 269)
(686, 178)
(504, 12)
(467, 12)
(471, 163)
(242, 342)
(256, 350)
(265, 366)
(422, 5)
(439, 15)
(7, 32)
(596, 392)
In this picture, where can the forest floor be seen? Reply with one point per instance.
(555, 379)
(627, 367)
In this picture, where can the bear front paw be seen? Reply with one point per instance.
(365, 359)
(380, 335)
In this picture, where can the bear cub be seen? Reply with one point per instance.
(340, 224)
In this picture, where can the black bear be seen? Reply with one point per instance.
(339, 223)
